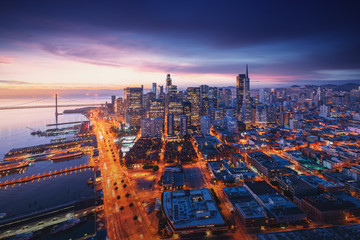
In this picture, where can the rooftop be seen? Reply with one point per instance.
(190, 208)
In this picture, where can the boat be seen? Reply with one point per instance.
(41, 156)
(2, 215)
(65, 225)
(6, 166)
(90, 181)
(67, 155)
(23, 236)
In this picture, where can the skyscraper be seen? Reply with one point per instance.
(133, 99)
(170, 124)
(193, 96)
(246, 105)
(168, 82)
(183, 125)
(151, 127)
(154, 88)
(187, 112)
(205, 125)
(240, 82)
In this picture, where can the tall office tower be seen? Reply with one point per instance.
(175, 107)
(204, 90)
(324, 111)
(119, 106)
(154, 88)
(272, 114)
(284, 119)
(205, 104)
(157, 109)
(172, 91)
(230, 124)
(246, 105)
(133, 101)
(235, 105)
(205, 125)
(228, 97)
(151, 127)
(221, 98)
(240, 82)
(113, 98)
(262, 95)
(183, 125)
(212, 95)
(261, 115)
(193, 96)
(148, 98)
(170, 125)
(187, 112)
(161, 90)
(168, 82)
(211, 113)
(219, 115)
(229, 112)
(322, 96)
(204, 99)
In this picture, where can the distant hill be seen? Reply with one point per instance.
(343, 87)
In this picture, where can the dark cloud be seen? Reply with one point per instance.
(290, 37)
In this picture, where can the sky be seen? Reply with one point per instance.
(46, 45)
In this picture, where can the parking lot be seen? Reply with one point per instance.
(193, 177)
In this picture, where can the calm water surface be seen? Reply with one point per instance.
(15, 128)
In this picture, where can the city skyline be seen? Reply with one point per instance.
(117, 45)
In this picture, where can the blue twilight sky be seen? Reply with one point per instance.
(113, 44)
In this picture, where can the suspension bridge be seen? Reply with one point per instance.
(30, 105)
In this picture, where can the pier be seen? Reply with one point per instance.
(49, 174)
(65, 123)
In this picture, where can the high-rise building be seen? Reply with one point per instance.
(151, 127)
(175, 107)
(213, 96)
(170, 125)
(172, 91)
(205, 125)
(133, 101)
(261, 115)
(168, 82)
(240, 83)
(211, 113)
(119, 106)
(324, 111)
(204, 99)
(183, 125)
(205, 104)
(230, 124)
(262, 96)
(148, 98)
(193, 96)
(187, 112)
(156, 109)
(246, 105)
(221, 98)
(228, 97)
(161, 90)
(113, 98)
(272, 114)
(154, 88)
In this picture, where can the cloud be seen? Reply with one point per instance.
(13, 82)
(5, 60)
